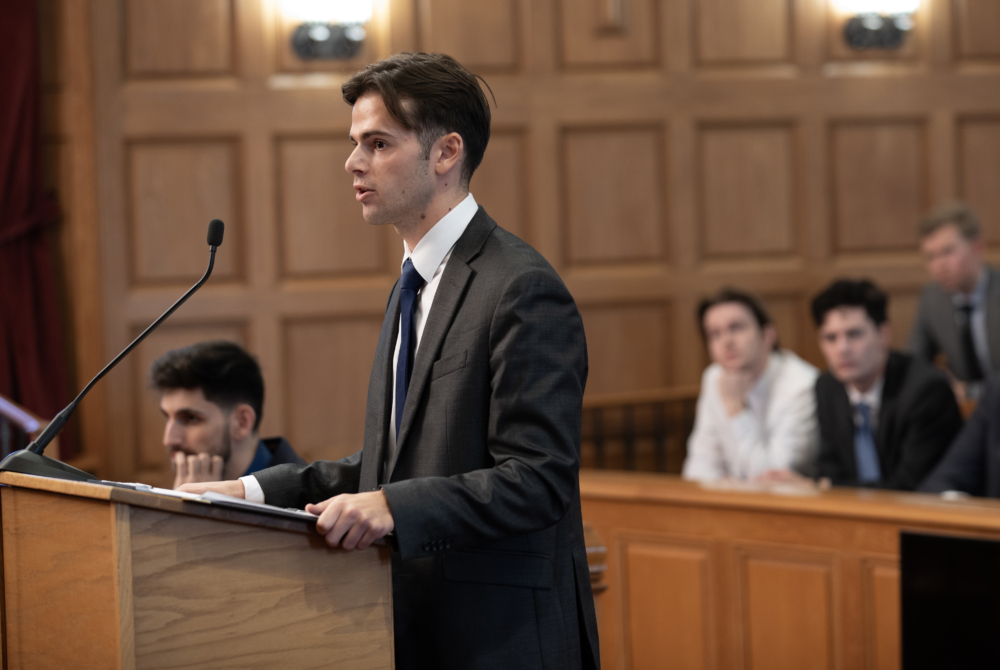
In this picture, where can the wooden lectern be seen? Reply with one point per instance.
(105, 577)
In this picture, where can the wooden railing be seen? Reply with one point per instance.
(644, 430)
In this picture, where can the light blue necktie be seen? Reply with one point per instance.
(409, 283)
(865, 454)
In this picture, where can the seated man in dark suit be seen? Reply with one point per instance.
(972, 463)
(212, 395)
(959, 313)
(885, 417)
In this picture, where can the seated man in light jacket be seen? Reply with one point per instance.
(756, 411)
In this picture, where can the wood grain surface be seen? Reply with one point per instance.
(708, 577)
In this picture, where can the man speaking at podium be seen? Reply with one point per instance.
(472, 430)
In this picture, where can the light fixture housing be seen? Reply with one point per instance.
(877, 24)
(328, 29)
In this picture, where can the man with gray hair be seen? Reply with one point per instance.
(959, 312)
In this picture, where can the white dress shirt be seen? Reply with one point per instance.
(429, 258)
(778, 429)
(872, 397)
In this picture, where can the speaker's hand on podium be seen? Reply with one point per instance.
(233, 487)
(353, 520)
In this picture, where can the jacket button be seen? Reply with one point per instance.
(427, 546)
(447, 544)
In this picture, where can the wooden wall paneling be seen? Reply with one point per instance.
(501, 183)
(744, 31)
(180, 38)
(175, 188)
(788, 608)
(902, 312)
(979, 171)
(977, 24)
(321, 230)
(882, 613)
(68, 161)
(663, 570)
(609, 33)
(484, 37)
(613, 194)
(787, 314)
(628, 346)
(328, 362)
(151, 461)
(879, 183)
(748, 190)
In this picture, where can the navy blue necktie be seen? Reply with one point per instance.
(865, 453)
(409, 284)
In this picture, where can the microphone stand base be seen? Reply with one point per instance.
(29, 463)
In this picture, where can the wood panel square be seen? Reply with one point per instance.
(179, 37)
(150, 455)
(500, 183)
(883, 625)
(175, 189)
(788, 607)
(322, 231)
(977, 28)
(748, 190)
(879, 184)
(613, 194)
(482, 36)
(667, 611)
(744, 31)
(609, 33)
(328, 363)
(979, 172)
(628, 347)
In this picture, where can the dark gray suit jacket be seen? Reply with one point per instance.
(491, 569)
(972, 463)
(917, 420)
(935, 331)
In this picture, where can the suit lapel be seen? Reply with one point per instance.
(993, 316)
(845, 422)
(380, 396)
(447, 300)
(894, 372)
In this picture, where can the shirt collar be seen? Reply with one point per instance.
(872, 397)
(978, 295)
(435, 245)
(261, 459)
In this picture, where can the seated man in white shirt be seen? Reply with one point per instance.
(756, 412)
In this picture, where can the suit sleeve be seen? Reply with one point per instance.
(537, 372)
(705, 460)
(922, 343)
(932, 422)
(291, 485)
(830, 463)
(963, 467)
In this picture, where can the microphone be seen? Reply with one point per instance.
(30, 460)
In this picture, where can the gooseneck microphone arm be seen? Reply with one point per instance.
(215, 232)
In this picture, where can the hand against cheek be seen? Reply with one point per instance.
(353, 520)
(733, 387)
(196, 468)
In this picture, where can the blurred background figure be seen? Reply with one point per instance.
(756, 411)
(885, 417)
(212, 395)
(959, 313)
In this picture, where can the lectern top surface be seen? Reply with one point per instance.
(114, 494)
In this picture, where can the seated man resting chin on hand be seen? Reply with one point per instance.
(212, 396)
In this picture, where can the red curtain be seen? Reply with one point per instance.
(32, 360)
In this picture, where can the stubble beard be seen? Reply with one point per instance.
(403, 210)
